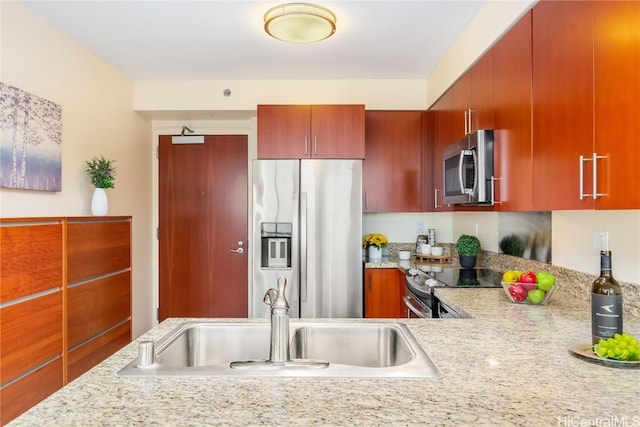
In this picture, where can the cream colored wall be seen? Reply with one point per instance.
(402, 227)
(247, 94)
(97, 120)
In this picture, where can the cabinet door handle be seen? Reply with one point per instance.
(315, 145)
(493, 191)
(366, 200)
(306, 145)
(435, 196)
(466, 123)
(470, 120)
(594, 167)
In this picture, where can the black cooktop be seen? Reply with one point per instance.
(467, 278)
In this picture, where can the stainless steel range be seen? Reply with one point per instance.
(421, 283)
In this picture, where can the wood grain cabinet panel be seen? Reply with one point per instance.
(95, 248)
(392, 172)
(383, 293)
(88, 355)
(562, 101)
(31, 334)
(311, 131)
(31, 259)
(95, 306)
(21, 395)
(617, 102)
(37, 353)
(511, 58)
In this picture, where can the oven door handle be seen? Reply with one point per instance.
(414, 307)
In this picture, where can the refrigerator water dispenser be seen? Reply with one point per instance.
(276, 244)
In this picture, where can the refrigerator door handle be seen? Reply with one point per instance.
(303, 247)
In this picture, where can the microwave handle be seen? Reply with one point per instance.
(475, 173)
(463, 187)
(460, 162)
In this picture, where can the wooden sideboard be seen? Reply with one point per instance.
(65, 302)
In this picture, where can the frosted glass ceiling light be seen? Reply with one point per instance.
(300, 22)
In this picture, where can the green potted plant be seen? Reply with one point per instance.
(102, 174)
(468, 248)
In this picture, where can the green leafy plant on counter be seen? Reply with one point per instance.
(468, 245)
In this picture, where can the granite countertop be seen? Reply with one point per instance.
(508, 365)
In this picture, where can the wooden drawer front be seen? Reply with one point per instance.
(21, 395)
(31, 333)
(88, 355)
(97, 248)
(31, 259)
(95, 306)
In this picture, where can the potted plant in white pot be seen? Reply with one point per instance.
(468, 248)
(102, 174)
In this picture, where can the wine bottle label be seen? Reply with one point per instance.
(606, 316)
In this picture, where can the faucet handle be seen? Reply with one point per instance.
(270, 296)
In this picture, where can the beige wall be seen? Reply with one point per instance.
(97, 120)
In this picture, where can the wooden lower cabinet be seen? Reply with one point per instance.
(53, 330)
(384, 292)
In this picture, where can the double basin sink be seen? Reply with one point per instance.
(356, 350)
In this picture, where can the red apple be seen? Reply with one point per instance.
(527, 277)
(517, 292)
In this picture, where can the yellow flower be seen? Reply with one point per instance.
(375, 239)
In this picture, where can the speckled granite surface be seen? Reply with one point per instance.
(508, 365)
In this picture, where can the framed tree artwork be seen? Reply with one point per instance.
(30, 141)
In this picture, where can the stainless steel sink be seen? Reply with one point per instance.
(353, 349)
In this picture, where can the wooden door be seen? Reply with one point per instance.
(337, 131)
(202, 217)
(562, 103)
(512, 117)
(284, 131)
(617, 102)
(429, 137)
(392, 166)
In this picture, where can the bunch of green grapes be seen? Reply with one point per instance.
(620, 347)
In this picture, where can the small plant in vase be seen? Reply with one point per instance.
(374, 242)
(102, 174)
(468, 248)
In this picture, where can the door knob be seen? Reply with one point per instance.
(240, 249)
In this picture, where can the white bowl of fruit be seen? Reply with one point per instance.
(527, 287)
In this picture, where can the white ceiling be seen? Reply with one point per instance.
(216, 40)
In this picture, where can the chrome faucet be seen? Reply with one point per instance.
(279, 352)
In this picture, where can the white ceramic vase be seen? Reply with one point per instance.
(375, 253)
(99, 203)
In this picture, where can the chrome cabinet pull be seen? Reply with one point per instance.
(306, 145)
(493, 191)
(594, 167)
(315, 145)
(435, 196)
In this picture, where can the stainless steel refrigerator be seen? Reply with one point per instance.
(307, 228)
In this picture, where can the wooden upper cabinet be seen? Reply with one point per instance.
(617, 102)
(440, 118)
(481, 93)
(311, 131)
(562, 103)
(511, 58)
(429, 123)
(283, 131)
(392, 167)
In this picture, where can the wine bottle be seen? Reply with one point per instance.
(606, 302)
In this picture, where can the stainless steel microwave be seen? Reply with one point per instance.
(468, 170)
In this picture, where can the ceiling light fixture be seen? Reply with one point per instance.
(300, 22)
